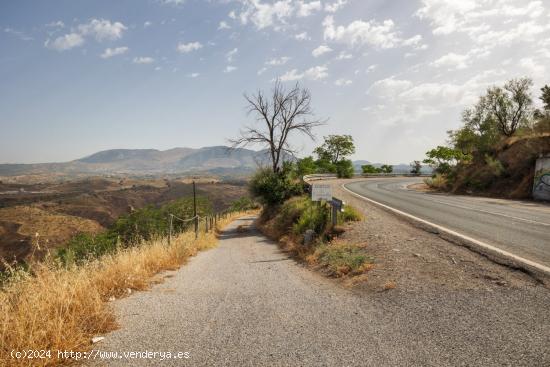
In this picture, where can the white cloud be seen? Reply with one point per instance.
(314, 73)
(343, 82)
(223, 25)
(264, 15)
(372, 68)
(278, 61)
(335, 6)
(485, 22)
(306, 9)
(102, 29)
(173, 2)
(229, 69)
(231, 54)
(262, 70)
(18, 34)
(110, 52)
(147, 24)
(412, 102)
(534, 69)
(65, 42)
(56, 24)
(302, 36)
(452, 61)
(143, 60)
(193, 75)
(344, 56)
(188, 47)
(321, 50)
(274, 14)
(381, 35)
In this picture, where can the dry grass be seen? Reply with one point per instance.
(60, 308)
(52, 227)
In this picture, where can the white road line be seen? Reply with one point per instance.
(429, 198)
(487, 246)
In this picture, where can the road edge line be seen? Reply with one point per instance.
(491, 252)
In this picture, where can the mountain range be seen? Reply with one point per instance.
(215, 160)
(150, 161)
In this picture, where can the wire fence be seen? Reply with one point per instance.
(207, 222)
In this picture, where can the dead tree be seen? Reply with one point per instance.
(278, 116)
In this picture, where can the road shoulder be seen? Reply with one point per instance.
(414, 259)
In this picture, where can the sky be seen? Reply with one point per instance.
(77, 76)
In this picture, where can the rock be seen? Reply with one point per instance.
(129, 291)
(309, 236)
(97, 339)
(112, 299)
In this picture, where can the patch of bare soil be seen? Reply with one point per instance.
(410, 258)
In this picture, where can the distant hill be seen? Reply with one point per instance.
(150, 161)
(397, 168)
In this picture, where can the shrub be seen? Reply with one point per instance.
(342, 258)
(349, 214)
(314, 216)
(242, 204)
(344, 169)
(438, 181)
(273, 188)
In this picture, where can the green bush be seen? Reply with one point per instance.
(344, 169)
(85, 246)
(315, 216)
(349, 214)
(242, 204)
(131, 229)
(273, 188)
(342, 258)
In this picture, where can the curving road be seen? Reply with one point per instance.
(521, 228)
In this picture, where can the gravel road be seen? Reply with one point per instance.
(522, 228)
(245, 303)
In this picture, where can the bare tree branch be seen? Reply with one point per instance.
(283, 114)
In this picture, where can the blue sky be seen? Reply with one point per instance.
(82, 76)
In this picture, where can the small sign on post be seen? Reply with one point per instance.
(321, 192)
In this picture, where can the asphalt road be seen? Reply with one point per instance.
(245, 303)
(521, 228)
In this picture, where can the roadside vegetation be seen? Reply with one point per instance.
(303, 227)
(495, 150)
(62, 302)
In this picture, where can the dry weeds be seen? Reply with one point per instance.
(60, 308)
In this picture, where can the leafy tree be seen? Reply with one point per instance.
(273, 188)
(511, 106)
(387, 168)
(369, 168)
(416, 168)
(545, 97)
(305, 166)
(335, 148)
(280, 115)
(442, 159)
(344, 168)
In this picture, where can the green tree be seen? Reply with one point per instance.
(511, 106)
(416, 168)
(545, 97)
(442, 159)
(335, 148)
(344, 168)
(369, 168)
(305, 166)
(387, 168)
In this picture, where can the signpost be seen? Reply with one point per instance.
(321, 192)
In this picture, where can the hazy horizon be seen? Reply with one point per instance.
(78, 78)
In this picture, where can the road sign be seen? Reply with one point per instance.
(321, 192)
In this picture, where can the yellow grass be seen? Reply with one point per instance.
(63, 308)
